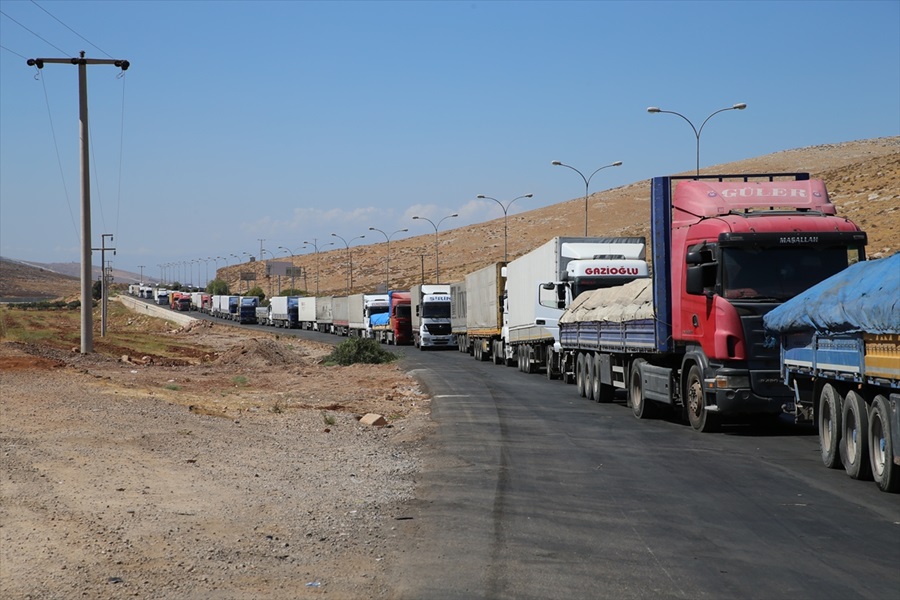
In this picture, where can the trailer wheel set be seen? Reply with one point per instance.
(857, 432)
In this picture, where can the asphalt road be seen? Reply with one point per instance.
(530, 491)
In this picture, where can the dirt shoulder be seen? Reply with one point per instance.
(242, 472)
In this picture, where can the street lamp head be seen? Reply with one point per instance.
(528, 196)
(372, 229)
(417, 217)
(481, 196)
(453, 215)
(556, 163)
(618, 163)
(739, 106)
(653, 109)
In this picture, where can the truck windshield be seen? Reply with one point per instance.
(403, 311)
(778, 273)
(377, 310)
(436, 310)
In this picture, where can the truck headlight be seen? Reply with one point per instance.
(732, 381)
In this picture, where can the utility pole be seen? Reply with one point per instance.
(142, 274)
(87, 333)
(260, 248)
(104, 280)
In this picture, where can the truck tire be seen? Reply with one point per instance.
(482, 355)
(640, 406)
(497, 352)
(695, 403)
(589, 372)
(854, 437)
(579, 374)
(551, 373)
(881, 449)
(828, 418)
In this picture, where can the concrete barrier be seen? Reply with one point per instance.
(155, 310)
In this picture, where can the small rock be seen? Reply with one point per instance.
(373, 420)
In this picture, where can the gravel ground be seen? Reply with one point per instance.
(137, 480)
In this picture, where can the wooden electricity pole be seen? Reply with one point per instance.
(87, 332)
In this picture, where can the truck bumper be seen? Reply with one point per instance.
(437, 341)
(744, 401)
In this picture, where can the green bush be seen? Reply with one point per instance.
(359, 350)
(217, 287)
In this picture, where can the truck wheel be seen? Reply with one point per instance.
(695, 402)
(551, 373)
(881, 449)
(497, 352)
(589, 372)
(828, 418)
(527, 363)
(579, 374)
(640, 406)
(482, 355)
(854, 438)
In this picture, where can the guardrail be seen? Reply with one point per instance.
(155, 310)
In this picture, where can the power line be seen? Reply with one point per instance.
(62, 175)
(34, 34)
(12, 52)
(69, 28)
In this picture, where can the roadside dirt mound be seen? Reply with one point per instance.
(255, 352)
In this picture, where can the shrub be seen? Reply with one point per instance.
(359, 350)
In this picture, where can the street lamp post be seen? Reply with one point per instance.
(437, 269)
(349, 258)
(505, 210)
(697, 132)
(315, 245)
(587, 183)
(387, 269)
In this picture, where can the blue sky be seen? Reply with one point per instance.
(288, 121)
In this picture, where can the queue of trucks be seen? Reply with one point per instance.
(688, 325)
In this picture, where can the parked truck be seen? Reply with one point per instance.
(284, 311)
(324, 313)
(225, 306)
(840, 354)
(727, 250)
(394, 327)
(430, 314)
(361, 308)
(246, 309)
(483, 312)
(306, 312)
(542, 283)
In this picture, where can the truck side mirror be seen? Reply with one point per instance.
(700, 279)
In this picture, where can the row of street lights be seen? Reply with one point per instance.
(505, 207)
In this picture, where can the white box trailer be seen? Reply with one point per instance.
(283, 311)
(324, 313)
(360, 309)
(484, 311)
(306, 312)
(340, 315)
(458, 315)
